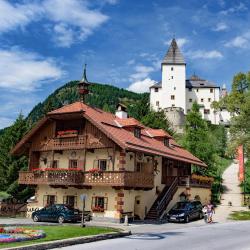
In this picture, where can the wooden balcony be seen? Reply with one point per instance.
(189, 181)
(116, 179)
(60, 178)
(125, 179)
(72, 143)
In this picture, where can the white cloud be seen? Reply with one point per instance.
(141, 86)
(141, 72)
(72, 20)
(239, 8)
(5, 122)
(180, 42)
(202, 54)
(238, 42)
(220, 27)
(25, 71)
(17, 15)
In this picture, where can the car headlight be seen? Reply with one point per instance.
(181, 215)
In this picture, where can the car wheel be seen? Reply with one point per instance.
(35, 218)
(187, 219)
(60, 219)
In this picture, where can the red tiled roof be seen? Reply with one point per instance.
(113, 127)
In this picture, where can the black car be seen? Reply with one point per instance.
(184, 211)
(57, 212)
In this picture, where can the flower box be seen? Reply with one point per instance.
(67, 133)
(98, 209)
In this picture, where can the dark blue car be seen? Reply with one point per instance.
(57, 212)
(185, 211)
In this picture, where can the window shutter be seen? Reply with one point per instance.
(81, 164)
(45, 197)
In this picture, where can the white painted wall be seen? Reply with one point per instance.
(208, 99)
(173, 83)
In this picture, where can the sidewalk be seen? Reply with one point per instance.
(232, 193)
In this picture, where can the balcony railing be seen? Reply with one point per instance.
(78, 178)
(189, 181)
(120, 179)
(51, 177)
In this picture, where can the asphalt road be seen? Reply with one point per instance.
(229, 236)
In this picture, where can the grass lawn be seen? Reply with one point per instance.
(59, 233)
(240, 215)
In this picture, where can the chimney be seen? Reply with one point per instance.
(121, 111)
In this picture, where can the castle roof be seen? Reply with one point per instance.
(174, 55)
(115, 129)
(196, 82)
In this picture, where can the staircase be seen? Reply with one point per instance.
(162, 201)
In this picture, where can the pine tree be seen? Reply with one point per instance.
(10, 165)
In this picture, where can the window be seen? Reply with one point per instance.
(209, 99)
(137, 132)
(211, 90)
(139, 166)
(54, 164)
(173, 105)
(49, 200)
(73, 163)
(172, 77)
(99, 203)
(156, 89)
(166, 142)
(174, 88)
(207, 111)
(197, 90)
(157, 103)
(172, 97)
(172, 68)
(202, 100)
(70, 200)
(188, 110)
(189, 89)
(102, 165)
(190, 100)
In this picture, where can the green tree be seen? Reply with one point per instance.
(9, 164)
(196, 139)
(238, 103)
(157, 120)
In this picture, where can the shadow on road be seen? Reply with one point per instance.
(152, 236)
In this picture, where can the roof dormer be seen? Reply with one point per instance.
(160, 135)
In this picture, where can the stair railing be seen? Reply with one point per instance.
(161, 206)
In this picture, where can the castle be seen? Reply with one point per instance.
(176, 94)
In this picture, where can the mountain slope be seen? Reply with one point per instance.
(103, 96)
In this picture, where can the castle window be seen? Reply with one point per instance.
(73, 163)
(166, 142)
(206, 111)
(173, 105)
(172, 68)
(156, 89)
(211, 90)
(137, 132)
(172, 97)
(157, 103)
(189, 89)
(197, 90)
(102, 165)
(209, 99)
(172, 77)
(190, 100)
(202, 100)
(188, 110)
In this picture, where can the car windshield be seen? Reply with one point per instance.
(181, 205)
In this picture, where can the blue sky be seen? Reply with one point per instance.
(44, 44)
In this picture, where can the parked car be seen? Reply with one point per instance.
(185, 211)
(57, 212)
